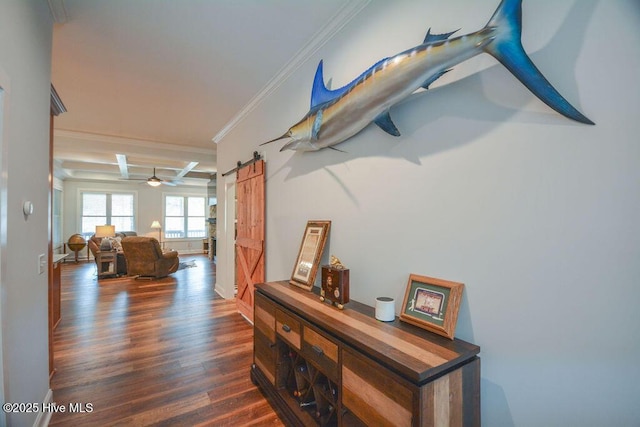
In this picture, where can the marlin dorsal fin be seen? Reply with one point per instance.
(319, 92)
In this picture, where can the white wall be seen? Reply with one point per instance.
(149, 208)
(25, 67)
(536, 214)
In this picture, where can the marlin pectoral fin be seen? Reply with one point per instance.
(434, 78)
(429, 38)
(317, 123)
(386, 124)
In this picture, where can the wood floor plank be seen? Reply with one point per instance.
(166, 352)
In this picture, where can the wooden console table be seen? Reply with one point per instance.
(318, 365)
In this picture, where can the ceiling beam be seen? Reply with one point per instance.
(99, 149)
(186, 170)
(64, 137)
(122, 163)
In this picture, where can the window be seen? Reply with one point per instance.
(107, 208)
(184, 217)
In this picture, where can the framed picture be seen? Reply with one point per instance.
(311, 248)
(432, 304)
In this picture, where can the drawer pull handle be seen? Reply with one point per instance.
(317, 349)
(286, 328)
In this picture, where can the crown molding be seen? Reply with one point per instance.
(57, 107)
(341, 18)
(58, 11)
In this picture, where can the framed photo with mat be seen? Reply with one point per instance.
(310, 254)
(432, 304)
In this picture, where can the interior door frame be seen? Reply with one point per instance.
(228, 277)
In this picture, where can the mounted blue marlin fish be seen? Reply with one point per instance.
(337, 115)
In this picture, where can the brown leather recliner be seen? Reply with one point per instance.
(145, 258)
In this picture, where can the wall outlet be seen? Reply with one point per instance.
(42, 263)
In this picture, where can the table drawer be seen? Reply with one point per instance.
(321, 351)
(288, 327)
(264, 317)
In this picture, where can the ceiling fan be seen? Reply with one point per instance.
(154, 181)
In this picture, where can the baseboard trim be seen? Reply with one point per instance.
(218, 290)
(246, 318)
(43, 418)
(182, 252)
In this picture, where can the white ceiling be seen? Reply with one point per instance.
(156, 80)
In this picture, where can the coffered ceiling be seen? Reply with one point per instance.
(157, 80)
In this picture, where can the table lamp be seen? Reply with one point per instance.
(103, 231)
(154, 225)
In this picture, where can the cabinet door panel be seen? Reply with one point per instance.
(453, 399)
(264, 355)
(374, 395)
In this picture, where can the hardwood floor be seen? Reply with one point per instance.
(163, 352)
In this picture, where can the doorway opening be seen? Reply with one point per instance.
(229, 279)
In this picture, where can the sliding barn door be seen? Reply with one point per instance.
(250, 234)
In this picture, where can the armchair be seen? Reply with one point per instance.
(145, 258)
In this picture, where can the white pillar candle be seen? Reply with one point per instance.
(385, 309)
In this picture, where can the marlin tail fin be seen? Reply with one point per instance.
(507, 48)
